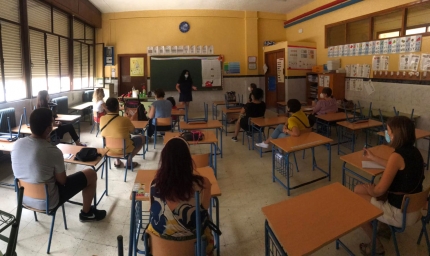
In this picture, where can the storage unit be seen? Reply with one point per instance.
(311, 87)
(336, 81)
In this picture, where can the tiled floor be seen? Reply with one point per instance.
(246, 185)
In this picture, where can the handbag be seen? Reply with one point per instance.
(87, 154)
(312, 119)
(231, 96)
(192, 136)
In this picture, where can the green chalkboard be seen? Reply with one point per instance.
(165, 73)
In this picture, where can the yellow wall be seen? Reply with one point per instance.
(313, 30)
(234, 34)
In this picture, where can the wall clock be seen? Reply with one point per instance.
(184, 27)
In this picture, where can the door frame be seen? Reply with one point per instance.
(266, 89)
(131, 55)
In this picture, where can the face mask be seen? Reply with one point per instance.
(186, 76)
(387, 137)
(249, 89)
(321, 95)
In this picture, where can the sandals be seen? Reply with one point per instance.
(135, 164)
(118, 165)
(366, 250)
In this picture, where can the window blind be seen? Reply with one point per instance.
(38, 69)
(78, 30)
(418, 15)
(9, 10)
(64, 64)
(85, 66)
(89, 34)
(91, 75)
(39, 15)
(53, 58)
(61, 23)
(77, 75)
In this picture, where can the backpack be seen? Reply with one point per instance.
(231, 96)
(87, 154)
(192, 136)
(135, 111)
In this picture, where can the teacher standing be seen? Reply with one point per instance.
(185, 87)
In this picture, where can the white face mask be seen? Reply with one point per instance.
(321, 95)
(249, 89)
(186, 76)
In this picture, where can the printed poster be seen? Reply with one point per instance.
(415, 59)
(301, 58)
(326, 81)
(136, 67)
(385, 46)
(376, 62)
(347, 84)
(364, 48)
(394, 45)
(211, 73)
(346, 50)
(404, 61)
(357, 47)
(377, 47)
(280, 70)
(385, 60)
(330, 51)
(371, 48)
(351, 49)
(368, 86)
(425, 62)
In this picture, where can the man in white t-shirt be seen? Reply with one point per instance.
(35, 160)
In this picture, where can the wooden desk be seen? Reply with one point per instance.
(71, 119)
(211, 124)
(291, 144)
(224, 116)
(333, 117)
(210, 138)
(6, 146)
(215, 105)
(346, 136)
(73, 149)
(26, 129)
(140, 124)
(258, 124)
(351, 178)
(146, 177)
(81, 107)
(304, 224)
(178, 112)
(324, 122)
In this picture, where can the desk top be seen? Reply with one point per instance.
(146, 177)
(269, 121)
(354, 159)
(26, 129)
(67, 118)
(6, 146)
(419, 134)
(210, 137)
(284, 103)
(231, 111)
(178, 112)
(305, 223)
(73, 149)
(304, 141)
(140, 124)
(333, 117)
(211, 124)
(358, 126)
(82, 106)
(387, 114)
(219, 102)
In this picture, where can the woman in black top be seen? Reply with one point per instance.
(255, 108)
(43, 102)
(185, 87)
(251, 88)
(404, 174)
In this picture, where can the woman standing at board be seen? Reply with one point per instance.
(185, 87)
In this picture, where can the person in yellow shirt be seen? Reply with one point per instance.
(298, 122)
(115, 126)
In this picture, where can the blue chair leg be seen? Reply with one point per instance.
(64, 217)
(304, 151)
(92, 127)
(126, 169)
(110, 164)
(393, 234)
(35, 216)
(155, 136)
(98, 129)
(50, 233)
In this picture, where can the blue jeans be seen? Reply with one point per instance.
(278, 132)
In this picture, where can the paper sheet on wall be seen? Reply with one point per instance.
(425, 62)
(326, 81)
(365, 71)
(359, 85)
(321, 81)
(347, 84)
(415, 59)
(280, 70)
(301, 58)
(404, 61)
(376, 62)
(368, 86)
(211, 73)
(385, 60)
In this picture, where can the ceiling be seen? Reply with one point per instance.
(274, 6)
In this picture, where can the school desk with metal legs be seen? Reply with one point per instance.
(215, 105)
(136, 217)
(308, 222)
(258, 124)
(141, 125)
(419, 134)
(6, 146)
(346, 134)
(211, 124)
(73, 150)
(351, 178)
(324, 122)
(70, 119)
(81, 107)
(225, 113)
(288, 145)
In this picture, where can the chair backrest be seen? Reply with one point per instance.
(164, 247)
(114, 143)
(201, 160)
(62, 104)
(4, 114)
(87, 96)
(97, 115)
(416, 202)
(163, 121)
(33, 190)
(13, 237)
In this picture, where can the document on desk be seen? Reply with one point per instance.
(67, 156)
(371, 165)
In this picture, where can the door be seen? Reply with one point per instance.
(133, 72)
(275, 88)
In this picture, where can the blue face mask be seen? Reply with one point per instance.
(387, 137)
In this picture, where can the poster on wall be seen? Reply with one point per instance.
(280, 70)
(232, 67)
(409, 62)
(136, 67)
(425, 62)
(211, 73)
(301, 58)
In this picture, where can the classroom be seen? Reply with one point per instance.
(294, 179)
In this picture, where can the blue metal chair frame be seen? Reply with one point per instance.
(252, 130)
(232, 105)
(125, 157)
(350, 178)
(49, 213)
(198, 119)
(14, 221)
(155, 133)
(424, 220)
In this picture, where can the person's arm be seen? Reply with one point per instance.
(294, 132)
(61, 177)
(104, 107)
(369, 155)
(206, 193)
(131, 127)
(151, 113)
(194, 88)
(394, 163)
(177, 88)
(317, 107)
(58, 162)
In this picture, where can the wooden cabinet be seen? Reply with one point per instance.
(311, 87)
(336, 81)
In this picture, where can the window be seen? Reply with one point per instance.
(388, 24)
(38, 68)
(390, 34)
(418, 15)
(336, 35)
(357, 31)
(64, 64)
(414, 31)
(83, 60)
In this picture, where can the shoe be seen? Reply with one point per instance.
(262, 145)
(92, 215)
(134, 164)
(249, 134)
(118, 165)
(366, 250)
(234, 139)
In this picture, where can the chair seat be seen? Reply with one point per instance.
(112, 154)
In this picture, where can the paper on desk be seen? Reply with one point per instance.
(371, 165)
(67, 156)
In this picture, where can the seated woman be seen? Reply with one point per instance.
(173, 206)
(296, 123)
(112, 125)
(255, 108)
(99, 105)
(327, 104)
(251, 87)
(404, 174)
(160, 108)
(43, 102)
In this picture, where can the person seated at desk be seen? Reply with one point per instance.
(115, 126)
(255, 108)
(404, 174)
(43, 102)
(251, 88)
(172, 198)
(99, 105)
(160, 108)
(296, 123)
(35, 160)
(327, 104)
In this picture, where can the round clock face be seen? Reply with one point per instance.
(184, 27)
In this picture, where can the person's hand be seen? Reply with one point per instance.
(57, 123)
(369, 188)
(194, 88)
(285, 130)
(368, 154)
(179, 91)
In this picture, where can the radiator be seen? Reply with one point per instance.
(7, 112)
(87, 96)
(62, 104)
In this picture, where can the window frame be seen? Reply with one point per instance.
(388, 31)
